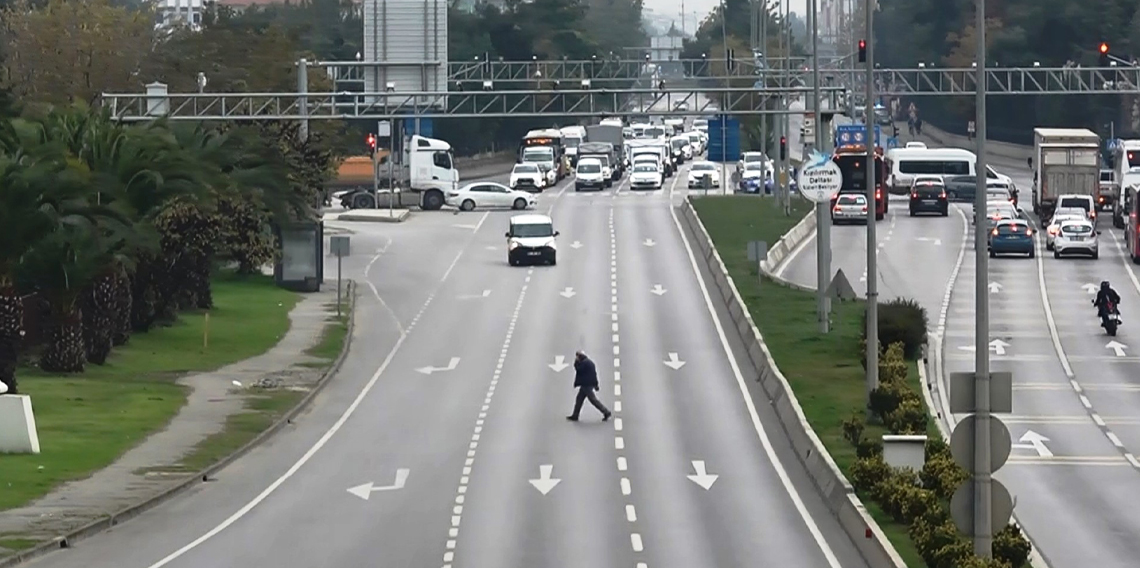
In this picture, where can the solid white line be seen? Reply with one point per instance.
(812, 527)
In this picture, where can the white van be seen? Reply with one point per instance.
(905, 163)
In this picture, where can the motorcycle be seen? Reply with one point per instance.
(1110, 319)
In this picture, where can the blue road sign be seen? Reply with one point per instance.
(1114, 143)
(846, 134)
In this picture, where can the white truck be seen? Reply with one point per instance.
(572, 137)
(422, 180)
(1126, 159)
(1064, 161)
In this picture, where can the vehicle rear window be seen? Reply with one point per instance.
(1076, 202)
(1012, 229)
(851, 199)
(928, 190)
(1076, 229)
(589, 168)
(1108, 176)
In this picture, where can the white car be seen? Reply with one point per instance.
(699, 171)
(682, 148)
(646, 175)
(749, 157)
(754, 170)
(697, 142)
(1077, 237)
(1060, 216)
(919, 145)
(532, 239)
(489, 194)
(1085, 202)
(591, 175)
(528, 177)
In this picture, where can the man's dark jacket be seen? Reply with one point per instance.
(585, 374)
(1103, 296)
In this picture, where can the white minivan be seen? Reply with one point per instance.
(905, 163)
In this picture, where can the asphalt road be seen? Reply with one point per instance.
(1076, 421)
(493, 474)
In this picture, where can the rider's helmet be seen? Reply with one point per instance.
(1104, 285)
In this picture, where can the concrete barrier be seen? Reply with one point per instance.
(485, 165)
(838, 494)
(778, 253)
(17, 425)
(1000, 149)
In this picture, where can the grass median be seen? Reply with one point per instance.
(824, 370)
(85, 422)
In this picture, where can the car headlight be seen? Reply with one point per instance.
(552, 244)
(513, 245)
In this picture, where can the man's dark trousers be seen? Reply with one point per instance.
(587, 393)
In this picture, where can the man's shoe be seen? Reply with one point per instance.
(572, 418)
(606, 416)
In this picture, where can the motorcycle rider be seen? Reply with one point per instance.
(1106, 297)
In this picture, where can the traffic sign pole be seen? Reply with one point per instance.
(822, 208)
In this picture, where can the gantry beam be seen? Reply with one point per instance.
(478, 104)
(999, 81)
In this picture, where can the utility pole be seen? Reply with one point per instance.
(983, 469)
(822, 210)
(762, 14)
(872, 208)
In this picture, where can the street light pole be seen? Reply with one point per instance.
(872, 208)
(983, 469)
(822, 210)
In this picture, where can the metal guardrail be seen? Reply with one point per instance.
(479, 104)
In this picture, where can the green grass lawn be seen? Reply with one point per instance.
(824, 371)
(86, 421)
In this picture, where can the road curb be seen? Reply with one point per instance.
(67, 540)
(837, 492)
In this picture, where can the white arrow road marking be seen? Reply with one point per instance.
(1116, 346)
(544, 484)
(998, 346)
(995, 287)
(576, 245)
(491, 247)
(702, 478)
(658, 290)
(567, 293)
(1090, 288)
(476, 296)
(366, 490)
(649, 242)
(674, 362)
(1033, 441)
(936, 242)
(450, 367)
(559, 364)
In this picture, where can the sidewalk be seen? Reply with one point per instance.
(213, 399)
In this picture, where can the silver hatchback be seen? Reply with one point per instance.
(849, 208)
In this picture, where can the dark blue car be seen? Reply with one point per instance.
(1012, 236)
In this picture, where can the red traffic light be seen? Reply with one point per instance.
(1103, 47)
(372, 141)
(783, 140)
(862, 44)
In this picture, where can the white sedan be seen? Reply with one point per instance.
(700, 170)
(1078, 236)
(489, 194)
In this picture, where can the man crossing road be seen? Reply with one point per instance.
(586, 381)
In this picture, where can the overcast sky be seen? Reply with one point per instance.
(702, 8)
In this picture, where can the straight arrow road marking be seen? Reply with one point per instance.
(673, 362)
(658, 290)
(559, 364)
(567, 293)
(1031, 440)
(702, 478)
(366, 490)
(451, 365)
(1090, 288)
(476, 296)
(1117, 347)
(545, 484)
(995, 287)
(576, 245)
(997, 346)
(649, 242)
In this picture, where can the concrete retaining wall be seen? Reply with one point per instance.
(485, 165)
(838, 494)
(1000, 149)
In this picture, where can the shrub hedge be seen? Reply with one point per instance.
(900, 321)
(920, 499)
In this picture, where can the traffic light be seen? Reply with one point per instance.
(371, 140)
(1103, 54)
(862, 51)
(783, 148)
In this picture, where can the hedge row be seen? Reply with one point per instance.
(920, 499)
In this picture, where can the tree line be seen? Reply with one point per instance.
(1019, 33)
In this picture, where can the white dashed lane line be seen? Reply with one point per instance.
(619, 440)
(473, 447)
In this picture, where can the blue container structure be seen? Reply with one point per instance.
(728, 148)
(426, 127)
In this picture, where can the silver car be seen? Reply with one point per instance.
(849, 208)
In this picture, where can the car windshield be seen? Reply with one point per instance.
(538, 155)
(571, 142)
(704, 167)
(1076, 229)
(694, 138)
(748, 158)
(678, 143)
(644, 167)
(593, 168)
(1075, 202)
(851, 200)
(526, 169)
(530, 230)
